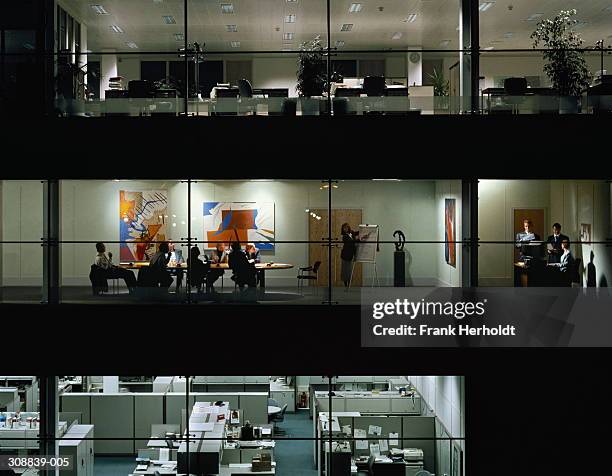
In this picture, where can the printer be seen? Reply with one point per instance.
(413, 458)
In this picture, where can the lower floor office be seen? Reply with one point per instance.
(284, 425)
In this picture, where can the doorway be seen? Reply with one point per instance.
(318, 231)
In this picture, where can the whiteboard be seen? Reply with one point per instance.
(368, 244)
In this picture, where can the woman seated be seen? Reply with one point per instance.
(244, 271)
(252, 253)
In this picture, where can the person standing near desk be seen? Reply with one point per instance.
(347, 255)
(554, 244)
(219, 256)
(526, 236)
(105, 263)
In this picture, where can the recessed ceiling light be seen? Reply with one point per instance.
(483, 7)
(347, 27)
(355, 7)
(231, 28)
(534, 16)
(169, 20)
(292, 1)
(235, 44)
(339, 43)
(227, 8)
(288, 36)
(99, 9)
(116, 29)
(291, 18)
(410, 18)
(397, 35)
(179, 37)
(131, 44)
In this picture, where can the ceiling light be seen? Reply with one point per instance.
(99, 9)
(535, 16)
(339, 43)
(179, 37)
(397, 35)
(347, 27)
(235, 44)
(483, 7)
(292, 1)
(227, 8)
(231, 28)
(355, 8)
(116, 29)
(169, 20)
(290, 18)
(410, 18)
(131, 44)
(508, 34)
(288, 36)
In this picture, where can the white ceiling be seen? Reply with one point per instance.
(260, 23)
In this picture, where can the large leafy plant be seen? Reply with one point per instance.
(441, 86)
(565, 64)
(311, 71)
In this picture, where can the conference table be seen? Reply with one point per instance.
(261, 268)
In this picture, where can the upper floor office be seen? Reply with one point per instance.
(296, 57)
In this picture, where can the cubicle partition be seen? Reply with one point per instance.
(130, 415)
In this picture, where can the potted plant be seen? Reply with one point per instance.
(311, 73)
(441, 90)
(565, 64)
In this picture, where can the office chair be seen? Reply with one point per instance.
(374, 86)
(280, 417)
(245, 89)
(309, 273)
(515, 88)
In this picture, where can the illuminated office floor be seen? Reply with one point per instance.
(293, 458)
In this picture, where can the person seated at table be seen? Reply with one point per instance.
(252, 253)
(525, 237)
(198, 269)
(244, 271)
(565, 266)
(219, 256)
(158, 265)
(104, 262)
(176, 260)
(553, 243)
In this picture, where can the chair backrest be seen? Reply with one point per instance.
(374, 85)
(316, 266)
(515, 86)
(272, 402)
(140, 88)
(245, 88)
(284, 409)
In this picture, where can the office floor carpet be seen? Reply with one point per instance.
(293, 458)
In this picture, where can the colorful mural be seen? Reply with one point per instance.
(142, 220)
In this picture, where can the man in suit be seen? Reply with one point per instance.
(525, 237)
(565, 266)
(553, 243)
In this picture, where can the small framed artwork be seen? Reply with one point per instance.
(586, 233)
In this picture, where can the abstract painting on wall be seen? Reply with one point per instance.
(142, 220)
(450, 249)
(239, 221)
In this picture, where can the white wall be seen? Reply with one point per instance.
(444, 397)
(567, 202)
(90, 212)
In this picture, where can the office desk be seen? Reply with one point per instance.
(168, 467)
(529, 275)
(243, 468)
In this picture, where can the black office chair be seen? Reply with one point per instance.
(515, 90)
(374, 86)
(245, 89)
(310, 273)
(278, 418)
(141, 88)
